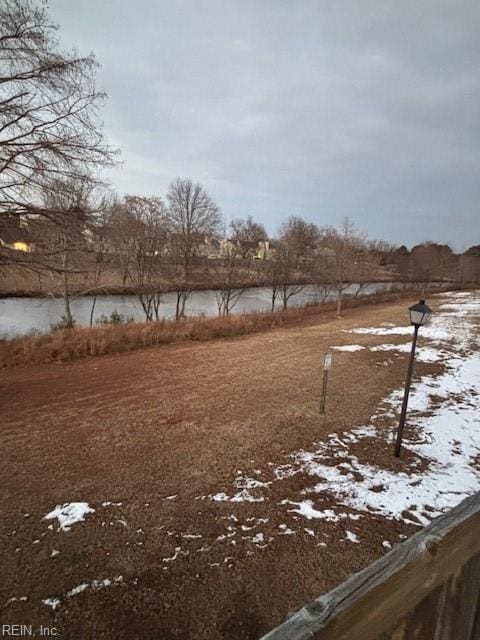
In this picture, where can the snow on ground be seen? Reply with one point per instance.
(445, 431)
(352, 537)
(69, 513)
(94, 584)
(381, 331)
(244, 484)
(432, 332)
(51, 602)
(424, 353)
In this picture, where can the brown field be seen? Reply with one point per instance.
(181, 420)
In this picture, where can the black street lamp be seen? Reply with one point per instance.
(418, 316)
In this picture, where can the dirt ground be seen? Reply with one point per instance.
(146, 439)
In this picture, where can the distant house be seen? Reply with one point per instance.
(15, 234)
(258, 250)
(265, 250)
(201, 245)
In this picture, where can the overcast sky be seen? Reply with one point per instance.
(323, 109)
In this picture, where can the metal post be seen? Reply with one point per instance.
(401, 424)
(323, 399)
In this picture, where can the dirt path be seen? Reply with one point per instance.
(146, 439)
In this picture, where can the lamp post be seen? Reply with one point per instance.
(418, 315)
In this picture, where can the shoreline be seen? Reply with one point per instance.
(119, 290)
(62, 345)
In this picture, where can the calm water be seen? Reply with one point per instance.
(18, 316)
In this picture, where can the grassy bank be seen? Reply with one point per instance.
(79, 342)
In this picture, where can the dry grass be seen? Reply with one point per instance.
(79, 342)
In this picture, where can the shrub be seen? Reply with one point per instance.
(114, 318)
(62, 324)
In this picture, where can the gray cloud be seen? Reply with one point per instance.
(322, 109)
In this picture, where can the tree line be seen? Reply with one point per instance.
(52, 151)
(180, 242)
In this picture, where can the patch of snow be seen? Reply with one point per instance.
(69, 514)
(423, 353)
(94, 584)
(349, 347)
(241, 496)
(100, 584)
(258, 538)
(219, 497)
(305, 508)
(51, 602)
(284, 471)
(250, 483)
(286, 531)
(76, 590)
(382, 331)
(54, 553)
(386, 544)
(174, 557)
(352, 537)
(15, 599)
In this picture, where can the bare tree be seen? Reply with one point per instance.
(122, 239)
(100, 248)
(293, 257)
(49, 130)
(301, 236)
(341, 257)
(63, 239)
(286, 275)
(369, 263)
(468, 269)
(272, 268)
(191, 216)
(147, 242)
(247, 234)
(430, 261)
(232, 275)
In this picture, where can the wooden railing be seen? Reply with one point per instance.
(426, 588)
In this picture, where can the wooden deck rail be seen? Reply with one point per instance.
(426, 588)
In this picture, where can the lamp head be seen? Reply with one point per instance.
(419, 313)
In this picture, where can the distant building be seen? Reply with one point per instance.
(264, 250)
(15, 234)
(242, 249)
